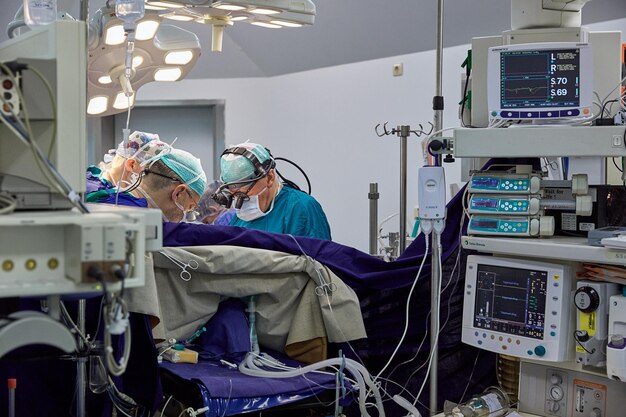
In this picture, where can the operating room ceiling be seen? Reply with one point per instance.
(345, 31)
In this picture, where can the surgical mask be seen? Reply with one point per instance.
(186, 213)
(251, 210)
(151, 203)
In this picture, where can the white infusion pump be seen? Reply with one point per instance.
(519, 307)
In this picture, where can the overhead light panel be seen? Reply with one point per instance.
(230, 7)
(138, 60)
(165, 4)
(179, 17)
(167, 74)
(115, 35)
(149, 6)
(146, 29)
(178, 57)
(286, 24)
(266, 25)
(97, 105)
(122, 101)
(260, 10)
(238, 18)
(105, 79)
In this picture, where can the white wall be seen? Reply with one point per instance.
(324, 120)
(197, 137)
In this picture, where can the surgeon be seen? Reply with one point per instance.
(122, 166)
(173, 183)
(261, 200)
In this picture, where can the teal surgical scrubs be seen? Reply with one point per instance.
(295, 213)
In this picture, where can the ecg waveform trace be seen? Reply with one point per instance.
(526, 89)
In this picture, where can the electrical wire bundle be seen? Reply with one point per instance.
(288, 181)
(7, 204)
(22, 129)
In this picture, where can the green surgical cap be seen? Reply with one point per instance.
(239, 168)
(188, 168)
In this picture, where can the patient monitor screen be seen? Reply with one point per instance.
(540, 79)
(511, 300)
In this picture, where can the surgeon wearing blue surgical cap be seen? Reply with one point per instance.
(174, 185)
(262, 201)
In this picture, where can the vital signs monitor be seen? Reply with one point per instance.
(518, 307)
(540, 81)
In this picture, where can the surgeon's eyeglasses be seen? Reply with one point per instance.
(158, 174)
(195, 202)
(234, 194)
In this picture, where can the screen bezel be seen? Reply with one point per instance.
(494, 77)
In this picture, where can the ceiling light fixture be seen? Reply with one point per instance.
(165, 4)
(272, 14)
(178, 17)
(167, 74)
(260, 10)
(178, 57)
(146, 29)
(230, 7)
(266, 25)
(286, 24)
(170, 45)
(121, 101)
(97, 105)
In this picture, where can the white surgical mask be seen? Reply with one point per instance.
(251, 210)
(186, 213)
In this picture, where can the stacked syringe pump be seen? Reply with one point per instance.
(512, 203)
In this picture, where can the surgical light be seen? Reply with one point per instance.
(115, 35)
(230, 7)
(180, 18)
(165, 4)
(106, 61)
(260, 10)
(121, 101)
(149, 6)
(138, 60)
(286, 24)
(146, 29)
(266, 25)
(271, 14)
(178, 57)
(97, 105)
(167, 74)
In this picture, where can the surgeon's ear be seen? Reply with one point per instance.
(133, 166)
(271, 177)
(180, 188)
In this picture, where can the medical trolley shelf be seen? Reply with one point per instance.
(573, 249)
(521, 414)
(604, 141)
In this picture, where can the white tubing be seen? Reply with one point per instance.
(248, 367)
(402, 402)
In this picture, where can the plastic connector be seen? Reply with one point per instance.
(119, 322)
(426, 226)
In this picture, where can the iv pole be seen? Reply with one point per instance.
(81, 365)
(435, 270)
